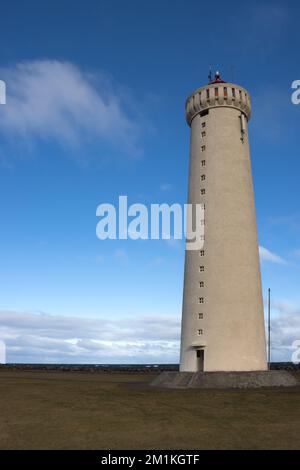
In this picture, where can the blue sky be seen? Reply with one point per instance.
(95, 109)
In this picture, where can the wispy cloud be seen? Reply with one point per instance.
(267, 24)
(275, 16)
(166, 187)
(290, 222)
(51, 100)
(158, 261)
(121, 256)
(285, 329)
(40, 337)
(44, 338)
(267, 255)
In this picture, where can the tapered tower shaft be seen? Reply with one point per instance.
(222, 318)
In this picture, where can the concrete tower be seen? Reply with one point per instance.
(222, 318)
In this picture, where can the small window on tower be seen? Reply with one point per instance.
(201, 269)
(202, 191)
(207, 93)
(200, 316)
(201, 284)
(202, 177)
(225, 92)
(203, 162)
(202, 237)
(203, 148)
(203, 134)
(202, 252)
(233, 93)
(201, 300)
(203, 124)
(200, 332)
(216, 92)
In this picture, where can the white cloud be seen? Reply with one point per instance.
(44, 338)
(266, 255)
(40, 337)
(274, 113)
(51, 100)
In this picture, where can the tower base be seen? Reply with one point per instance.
(206, 380)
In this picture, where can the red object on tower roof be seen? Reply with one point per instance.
(216, 79)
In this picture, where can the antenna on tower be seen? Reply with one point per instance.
(269, 329)
(209, 75)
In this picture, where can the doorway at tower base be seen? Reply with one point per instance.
(211, 380)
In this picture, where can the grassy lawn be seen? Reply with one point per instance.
(72, 410)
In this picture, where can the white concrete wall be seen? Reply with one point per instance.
(233, 328)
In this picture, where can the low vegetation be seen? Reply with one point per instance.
(74, 410)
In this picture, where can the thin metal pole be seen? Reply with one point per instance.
(269, 328)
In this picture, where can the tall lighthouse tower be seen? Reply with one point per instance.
(222, 318)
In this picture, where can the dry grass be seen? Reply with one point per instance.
(49, 410)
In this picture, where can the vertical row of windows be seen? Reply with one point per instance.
(203, 148)
(202, 191)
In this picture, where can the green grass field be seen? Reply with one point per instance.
(70, 410)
